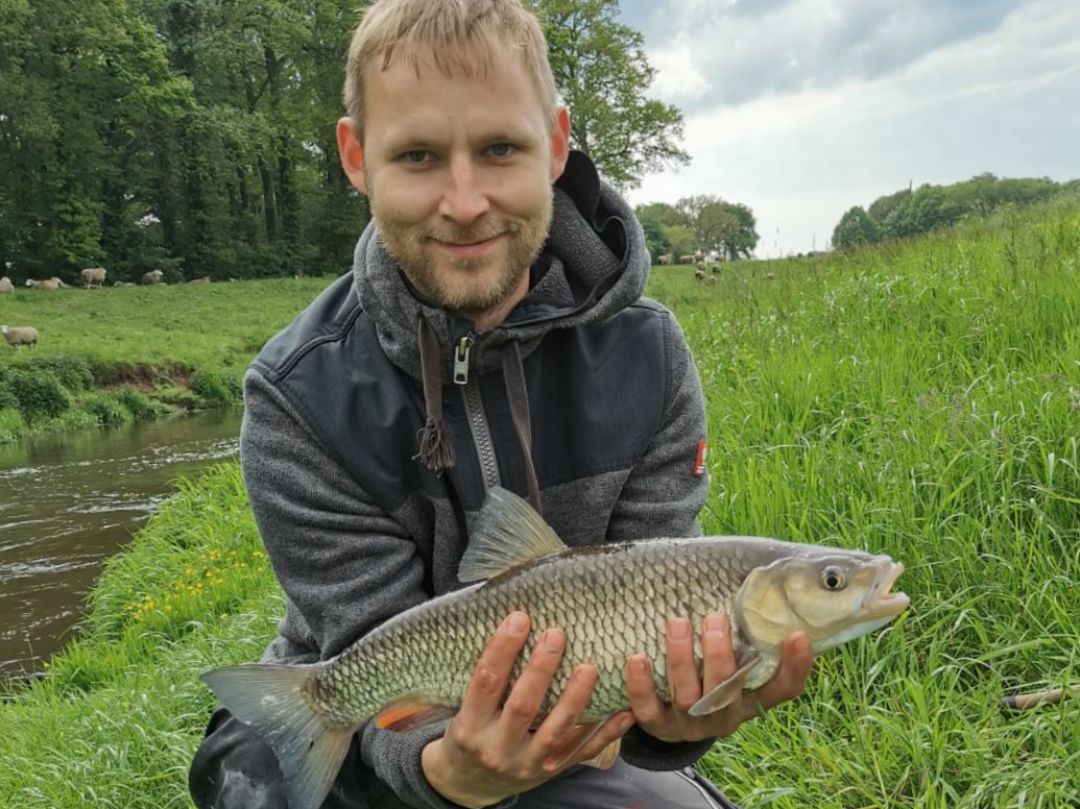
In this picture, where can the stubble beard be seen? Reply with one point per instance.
(421, 261)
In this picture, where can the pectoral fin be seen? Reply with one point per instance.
(603, 760)
(727, 691)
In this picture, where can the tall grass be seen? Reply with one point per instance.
(921, 400)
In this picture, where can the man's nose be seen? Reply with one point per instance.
(465, 198)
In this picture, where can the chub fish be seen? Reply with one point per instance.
(612, 601)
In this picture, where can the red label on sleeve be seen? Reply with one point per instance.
(702, 453)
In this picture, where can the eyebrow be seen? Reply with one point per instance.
(409, 142)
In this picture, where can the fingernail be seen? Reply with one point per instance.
(680, 629)
(715, 625)
(626, 723)
(802, 645)
(641, 665)
(517, 622)
(553, 640)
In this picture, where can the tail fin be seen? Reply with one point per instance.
(272, 700)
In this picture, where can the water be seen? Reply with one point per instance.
(68, 502)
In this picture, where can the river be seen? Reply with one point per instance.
(69, 501)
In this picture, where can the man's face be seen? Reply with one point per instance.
(459, 172)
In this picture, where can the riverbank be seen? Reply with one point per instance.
(920, 400)
(118, 354)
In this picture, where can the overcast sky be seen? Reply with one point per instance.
(803, 108)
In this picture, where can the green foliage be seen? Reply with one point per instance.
(11, 420)
(215, 389)
(906, 213)
(856, 229)
(141, 408)
(39, 393)
(602, 72)
(72, 371)
(726, 228)
(106, 409)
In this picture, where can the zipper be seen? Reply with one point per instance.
(461, 358)
(474, 411)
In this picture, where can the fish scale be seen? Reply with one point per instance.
(429, 653)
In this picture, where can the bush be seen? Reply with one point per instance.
(39, 393)
(11, 424)
(141, 407)
(74, 373)
(214, 389)
(106, 409)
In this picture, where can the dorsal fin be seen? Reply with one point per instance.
(507, 533)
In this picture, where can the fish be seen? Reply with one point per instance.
(612, 601)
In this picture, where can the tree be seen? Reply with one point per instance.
(602, 73)
(856, 228)
(724, 227)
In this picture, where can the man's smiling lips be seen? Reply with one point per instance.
(470, 250)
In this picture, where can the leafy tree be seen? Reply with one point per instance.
(602, 73)
(856, 228)
(656, 239)
(681, 239)
(724, 227)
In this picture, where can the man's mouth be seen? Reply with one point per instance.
(467, 249)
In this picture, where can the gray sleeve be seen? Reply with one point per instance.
(662, 497)
(344, 563)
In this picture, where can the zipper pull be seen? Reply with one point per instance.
(461, 360)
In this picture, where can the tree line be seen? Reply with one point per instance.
(703, 224)
(908, 213)
(197, 136)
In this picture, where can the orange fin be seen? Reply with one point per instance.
(407, 714)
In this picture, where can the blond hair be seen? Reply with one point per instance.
(459, 35)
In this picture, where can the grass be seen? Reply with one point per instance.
(921, 399)
(177, 347)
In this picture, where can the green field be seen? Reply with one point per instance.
(921, 399)
(118, 353)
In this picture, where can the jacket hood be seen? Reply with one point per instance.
(597, 265)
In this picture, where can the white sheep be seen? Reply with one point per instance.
(93, 276)
(18, 336)
(6, 285)
(48, 284)
(152, 277)
(699, 274)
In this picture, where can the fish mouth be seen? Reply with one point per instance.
(881, 601)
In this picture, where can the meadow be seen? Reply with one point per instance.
(920, 399)
(121, 353)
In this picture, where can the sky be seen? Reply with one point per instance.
(802, 109)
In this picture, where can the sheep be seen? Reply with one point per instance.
(665, 259)
(93, 276)
(48, 284)
(6, 285)
(204, 280)
(686, 259)
(122, 284)
(699, 274)
(710, 280)
(18, 336)
(152, 277)
(716, 269)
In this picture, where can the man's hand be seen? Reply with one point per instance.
(491, 749)
(671, 722)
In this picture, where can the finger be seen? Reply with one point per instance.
(682, 671)
(717, 654)
(527, 695)
(796, 660)
(615, 728)
(492, 673)
(641, 689)
(557, 732)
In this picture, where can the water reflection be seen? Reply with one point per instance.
(67, 502)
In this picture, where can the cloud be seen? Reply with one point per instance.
(758, 48)
(1004, 100)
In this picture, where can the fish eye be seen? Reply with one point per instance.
(833, 578)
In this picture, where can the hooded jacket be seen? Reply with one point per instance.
(585, 399)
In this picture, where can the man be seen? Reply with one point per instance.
(492, 332)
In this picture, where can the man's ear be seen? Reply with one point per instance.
(351, 153)
(560, 143)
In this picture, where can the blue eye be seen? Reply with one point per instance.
(501, 149)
